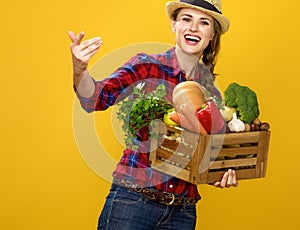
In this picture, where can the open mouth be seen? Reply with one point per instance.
(192, 39)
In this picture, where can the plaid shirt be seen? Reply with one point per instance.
(151, 70)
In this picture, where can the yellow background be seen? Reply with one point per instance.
(45, 181)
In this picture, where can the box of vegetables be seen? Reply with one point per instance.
(202, 159)
(199, 137)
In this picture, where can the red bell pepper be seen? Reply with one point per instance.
(210, 117)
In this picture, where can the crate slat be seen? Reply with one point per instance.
(241, 151)
(233, 163)
(236, 138)
(241, 174)
(173, 157)
(171, 169)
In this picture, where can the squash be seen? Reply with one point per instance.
(190, 93)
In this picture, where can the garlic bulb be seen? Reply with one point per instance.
(236, 125)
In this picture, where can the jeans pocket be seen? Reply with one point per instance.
(190, 211)
(127, 196)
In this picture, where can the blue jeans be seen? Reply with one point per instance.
(126, 209)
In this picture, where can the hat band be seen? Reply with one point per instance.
(203, 4)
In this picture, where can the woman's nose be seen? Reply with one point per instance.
(193, 26)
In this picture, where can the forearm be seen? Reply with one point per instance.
(81, 54)
(84, 84)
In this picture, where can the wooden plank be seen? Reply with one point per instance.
(170, 144)
(237, 151)
(233, 163)
(172, 170)
(262, 153)
(235, 138)
(213, 177)
(178, 147)
(241, 174)
(201, 160)
(173, 157)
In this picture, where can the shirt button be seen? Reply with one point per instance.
(171, 186)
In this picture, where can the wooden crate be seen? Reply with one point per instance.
(204, 159)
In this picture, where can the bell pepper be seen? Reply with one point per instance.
(210, 117)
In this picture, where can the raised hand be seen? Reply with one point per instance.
(82, 51)
(81, 55)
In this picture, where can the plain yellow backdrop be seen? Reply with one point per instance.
(48, 183)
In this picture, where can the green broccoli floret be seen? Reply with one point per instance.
(244, 100)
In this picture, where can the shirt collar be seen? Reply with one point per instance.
(169, 59)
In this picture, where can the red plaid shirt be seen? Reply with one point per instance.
(151, 70)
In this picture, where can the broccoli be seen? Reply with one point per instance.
(244, 100)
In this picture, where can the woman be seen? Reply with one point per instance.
(142, 198)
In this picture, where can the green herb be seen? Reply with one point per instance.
(140, 109)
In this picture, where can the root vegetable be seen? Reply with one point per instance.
(181, 120)
(264, 126)
(254, 127)
(256, 121)
(247, 127)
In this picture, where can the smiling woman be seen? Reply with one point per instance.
(196, 33)
(197, 25)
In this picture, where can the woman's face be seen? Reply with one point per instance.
(194, 30)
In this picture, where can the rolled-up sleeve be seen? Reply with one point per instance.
(111, 90)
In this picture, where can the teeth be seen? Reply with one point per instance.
(190, 37)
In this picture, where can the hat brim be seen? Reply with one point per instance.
(224, 22)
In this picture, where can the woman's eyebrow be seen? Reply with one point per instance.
(186, 15)
(201, 18)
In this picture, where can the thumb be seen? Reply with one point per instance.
(76, 39)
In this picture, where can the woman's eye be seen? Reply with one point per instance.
(186, 19)
(205, 23)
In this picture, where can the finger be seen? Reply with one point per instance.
(229, 179)
(217, 184)
(72, 35)
(89, 43)
(79, 38)
(76, 39)
(224, 180)
(234, 180)
(92, 48)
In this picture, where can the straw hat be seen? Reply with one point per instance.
(211, 7)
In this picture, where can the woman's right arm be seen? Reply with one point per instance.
(81, 55)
